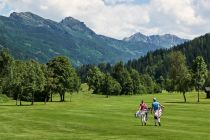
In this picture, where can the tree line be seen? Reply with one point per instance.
(32, 81)
(170, 73)
(117, 79)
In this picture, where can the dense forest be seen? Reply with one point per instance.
(154, 64)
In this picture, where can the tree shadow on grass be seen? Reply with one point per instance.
(7, 105)
(177, 102)
(148, 125)
(204, 102)
(15, 105)
(34, 103)
(57, 101)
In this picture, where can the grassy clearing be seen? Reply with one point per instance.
(96, 117)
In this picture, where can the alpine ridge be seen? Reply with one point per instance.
(29, 36)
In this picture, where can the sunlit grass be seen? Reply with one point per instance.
(96, 117)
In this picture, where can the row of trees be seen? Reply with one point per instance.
(32, 81)
(183, 78)
(171, 73)
(117, 80)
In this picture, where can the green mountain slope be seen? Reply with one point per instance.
(29, 36)
(153, 62)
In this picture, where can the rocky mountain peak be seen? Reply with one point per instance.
(71, 21)
(137, 37)
(28, 18)
(166, 40)
(25, 16)
(76, 25)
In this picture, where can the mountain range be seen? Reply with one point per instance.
(165, 41)
(29, 36)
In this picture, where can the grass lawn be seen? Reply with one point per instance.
(96, 117)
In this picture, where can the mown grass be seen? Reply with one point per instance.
(96, 117)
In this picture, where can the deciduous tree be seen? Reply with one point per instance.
(179, 73)
(63, 76)
(200, 73)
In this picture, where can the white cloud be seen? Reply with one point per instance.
(2, 4)
(120, 18)
(44, 7)
(114, 2)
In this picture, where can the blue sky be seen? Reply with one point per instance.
(122, 18)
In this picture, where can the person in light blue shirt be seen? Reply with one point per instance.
(157, 109)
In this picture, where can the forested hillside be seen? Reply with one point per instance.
(155, 63)
(29, 36)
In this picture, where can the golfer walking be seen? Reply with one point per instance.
(157, 110)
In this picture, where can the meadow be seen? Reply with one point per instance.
(89, 117)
